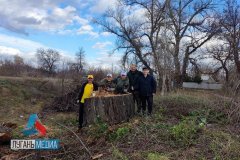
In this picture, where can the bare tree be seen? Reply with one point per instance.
(191, 29)
(80, 58)
(154, 37)
(230, 23)
(18, 60)
(48, 59)
(141, 38)
(18, 64)
(128, 31)
(223, 58)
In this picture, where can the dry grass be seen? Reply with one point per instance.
(168, 134)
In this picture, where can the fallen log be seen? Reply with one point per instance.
(112, 109)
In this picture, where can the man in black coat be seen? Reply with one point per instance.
(147, 88)
(85, 92)
(133, 76)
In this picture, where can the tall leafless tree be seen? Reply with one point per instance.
(139, 37)
(191, 28)
(80, 58)
(230, 23)
(128, 31)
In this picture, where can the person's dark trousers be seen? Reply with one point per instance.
(137, 100)
(81, 113)
(147, 101)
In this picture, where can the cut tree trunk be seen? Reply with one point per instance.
(110, 109)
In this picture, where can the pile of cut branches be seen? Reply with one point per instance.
(65, 103)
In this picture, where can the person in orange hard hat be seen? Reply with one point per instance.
(85, 92)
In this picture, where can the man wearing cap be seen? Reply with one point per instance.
(122, 83)
(85, 92)
(133, 76)
(147, 88)
(107, 82)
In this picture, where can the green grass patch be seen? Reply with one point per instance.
(185, 132)
(156, 156)
(119, 134)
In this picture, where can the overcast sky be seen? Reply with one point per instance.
(65, 25)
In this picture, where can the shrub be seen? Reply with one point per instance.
(210, 115)
(120, 133)
(185, 132)
(196, 79)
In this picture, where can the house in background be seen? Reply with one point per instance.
(207, 78)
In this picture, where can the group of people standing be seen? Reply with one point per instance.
(142, 85)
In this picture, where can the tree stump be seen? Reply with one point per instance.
(112, 109)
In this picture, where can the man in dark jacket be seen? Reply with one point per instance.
(146, 87)
(133, 76)
(85, 92)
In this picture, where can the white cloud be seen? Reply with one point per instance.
(102, 5)
(137, 14)
(9, 51)
(106, 60)
(66, 32)
(104, 57)
(45, 15)
(19, 43)
(51, 16)
(213, 42)
(105, 34)
(10, 46)
(87, 29)
(101, 45)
